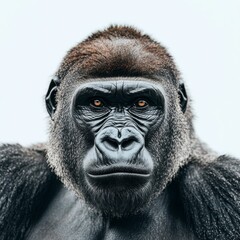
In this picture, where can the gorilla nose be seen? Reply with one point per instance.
(118, 144)
(114, 144)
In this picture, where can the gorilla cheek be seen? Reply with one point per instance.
(89, 159)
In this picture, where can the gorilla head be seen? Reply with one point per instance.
(121, 125)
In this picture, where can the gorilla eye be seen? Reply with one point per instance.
(97, 103)
(141, 103)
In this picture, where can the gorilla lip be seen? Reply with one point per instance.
(127, 170)
(119, 177)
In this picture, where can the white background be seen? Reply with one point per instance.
(203, 36)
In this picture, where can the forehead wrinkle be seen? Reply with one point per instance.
(93, 87)
(143, 88)
(122, 86)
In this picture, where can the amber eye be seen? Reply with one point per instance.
(97, 103)
(141, 103)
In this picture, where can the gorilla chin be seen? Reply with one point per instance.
(121, 188)
(119, 194)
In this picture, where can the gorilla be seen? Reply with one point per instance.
(123, 160)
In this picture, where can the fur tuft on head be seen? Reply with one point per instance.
(119, 51)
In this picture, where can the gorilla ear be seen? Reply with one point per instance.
(50, 98)
(183, 97)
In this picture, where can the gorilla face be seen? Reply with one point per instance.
(118, 115)
(115, 141)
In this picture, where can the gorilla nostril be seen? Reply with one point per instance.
(111, 144)
(128, 143)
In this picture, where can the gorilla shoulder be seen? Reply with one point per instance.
(211, 197)
(24, 180)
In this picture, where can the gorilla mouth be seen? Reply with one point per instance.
(119, 177)
(126, 170)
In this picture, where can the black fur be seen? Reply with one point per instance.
(211, 198)
(25, 179)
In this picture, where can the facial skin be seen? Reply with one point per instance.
(113, 160)
(118, 115)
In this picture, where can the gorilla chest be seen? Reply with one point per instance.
(152, 226)
(66, 217)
